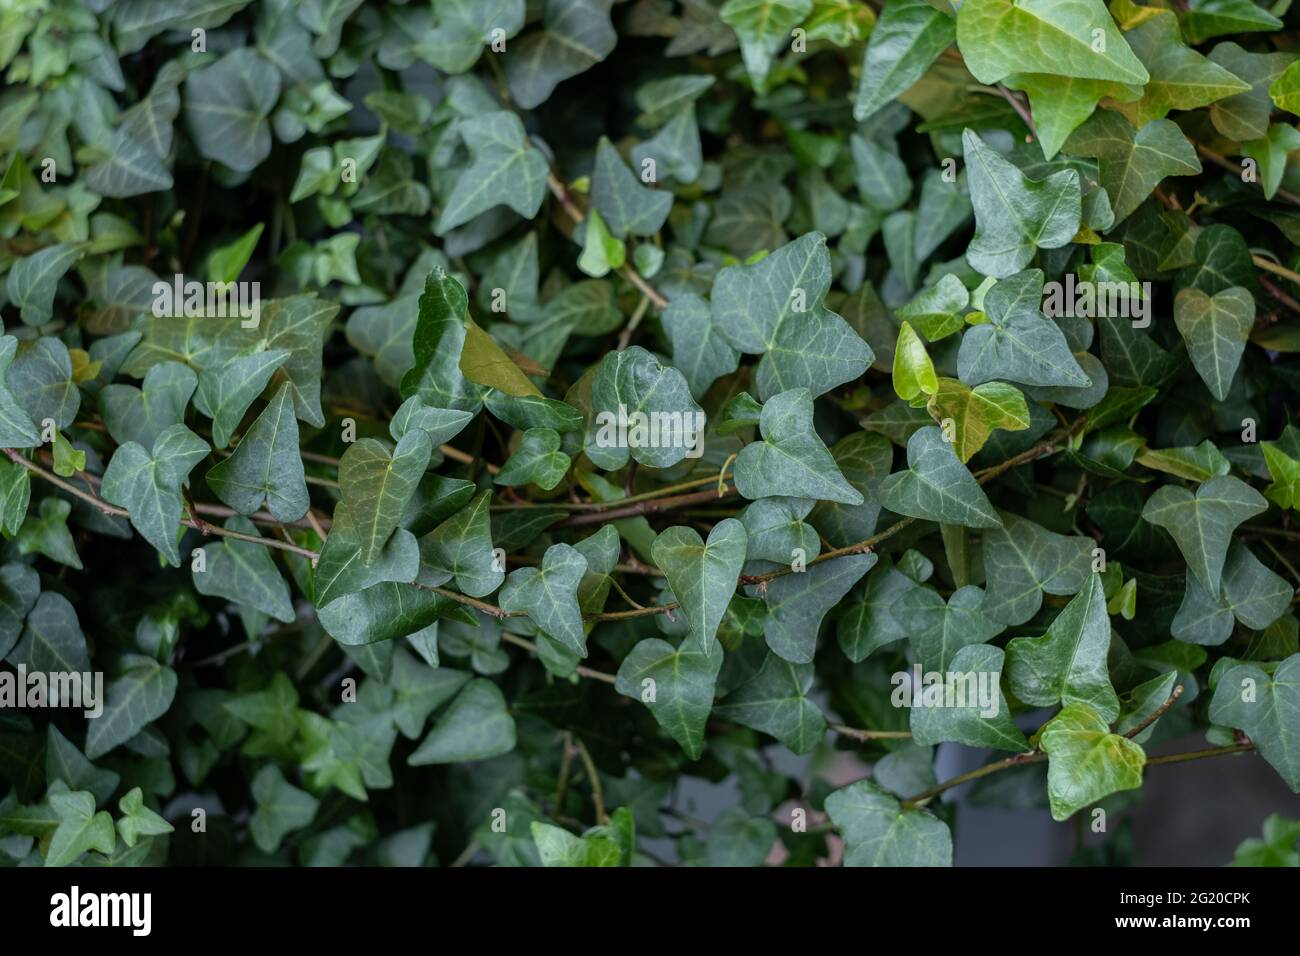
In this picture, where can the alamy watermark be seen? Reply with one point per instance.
(962, 689)
(1084, 299)
(638, 429)
(23, 688)
(221, 300)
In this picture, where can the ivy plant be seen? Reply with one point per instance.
(467, 432)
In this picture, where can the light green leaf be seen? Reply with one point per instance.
(137, 820)
(763, 27)
(80, 828)
(975, 413)
(1087, 762)
(1061, 103)
(1180, 78)
(281, 809)
(913, 373)
(559, 847)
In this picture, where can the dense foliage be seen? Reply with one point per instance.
(611, 399)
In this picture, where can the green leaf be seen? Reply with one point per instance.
(1061, 103)
(975, 413)
(137, 820)
(1180, 78)
(764, 27)
(34, 279)
(462, 547)
(19, 588)
(549, 596)
(879, 831)
(1018, 343)
(227, 262)
(141, 694)
(1250, 592)
(1067, 664)
(1201, 524)
(265, 466)
(914, 373)
(937, 311)
(775, 701)
(1285, 90)
(1062, 37)
(1212, 18)
(16, 428)
(440, 334)
(1142, 702)
(142, 414)
(626, 205)
(243, 572)
(791, 460)
(227, 105)
(559, 847)
(226, 391)
(1016, 215)
(52, 640)
(483, 362)
(629, 386)
(936, 486)
(797, 603)
(1215, 329)
(537, 460)
(80, 828)
(882, 179)
(703, 575)
(699, 352)
(971, 719)
(475, 726)
(47, 533)
(148, 484)
(907, 39)
(281, 809)
(1278, 848)
(63, 761)
(1133, 162)
(676, 684)
(1265, 708)
(939, 629)
(774, 308)
(1271, 153)
(1087, 762)
(463, 28)
(506, 169)
(377, 484)
(1244, 116)
(602, 253)
(1023, 561)
(575, 36)
(41, 379)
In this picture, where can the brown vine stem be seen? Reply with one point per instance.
(856, 734)
(645, 507)
(1156, 714)
(666, 490)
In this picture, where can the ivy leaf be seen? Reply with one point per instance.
(970, 721)
(141, 415)
(226, 391)
(1285, 473)
(462, 28)
(41, 379)
(602, 253)
(137, 820)
(1018, 343)
(1067, 664)
(475, 726)
(1285, 90)
(791, 460)
(627, 206)
(339, 570)
(1061, 103)
(1267, 709)
(882, 179)
(633, 383)
(868, 624)
(775, 701)
(20, 586)
(1087, 762)
(879, 831)
(16, 428)
(378, 484)
(937, 311)
(575, 36)
(737, 839)
(549, 596)
(977, 412)
(907, 39)
(939, 629)
(559, 847)
(80, 828)
(699, 352)
(1133, 162)
(702, 575)
(265, 466)
(538, 460)
(148, 484)
(1244, 116)
(797, 603)
(1250, 592)
(777, 531)
(1016, 215)
(141, 694)
(913, 373)
(1270, 153)
(1023, 560)
(47, 533)
(462, 546)
(936, 486)
(439, 340)
(244, 573)
(1201, 524)
(864, 459)
(679, 694)
(1212, 18)
(281, 809)
(506, 169)
(63, 761)
(1215, 329)
(774, 308)
(763, 27)
(1000, 37)
(227, 105)
(34, 279)
(1181, 79)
